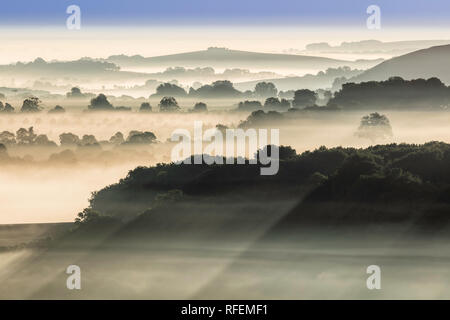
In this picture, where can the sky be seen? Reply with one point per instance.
(158, 27)
(199, 12)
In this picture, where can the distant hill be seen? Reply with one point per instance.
(83, 69)
(222, 57)
(373, 46)
(323, 79)
(425, 63)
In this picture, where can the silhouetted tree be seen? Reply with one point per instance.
(145, 107)
(8, 108)
(7, 138)
(3, 151)
(25, 137)
(200, 107)
(169, 89)
(69, 139)
(75, 92)
(31, 104)
(168, 104)
(139, 137)
(42, 140)
(100, 103)
(218, 89)
(260, 118)
(249, 105)
(374, 126)
(117, 138)
(57, 109)
(266, 89)
(88, 140)
(276, 104)
(304, 98)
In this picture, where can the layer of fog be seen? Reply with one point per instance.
(313, 270)
(44, 192)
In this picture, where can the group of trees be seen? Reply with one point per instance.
(100, 103)
(75, 93)
(259, 118)
(394, 93)
(263, 90)
(134, 137)
(302, 99)
(30, 104)
(27, 137)
(382, 174)
(6, 108)
(220, 89)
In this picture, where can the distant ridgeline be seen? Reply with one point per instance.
(394, 93)
(396, 183)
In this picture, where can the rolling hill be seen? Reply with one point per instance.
(226, 58)
(425, 63)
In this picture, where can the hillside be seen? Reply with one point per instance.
(373, 46)
(426, 63)
(222, 57)
(323, 79)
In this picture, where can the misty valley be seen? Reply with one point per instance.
(227, 174)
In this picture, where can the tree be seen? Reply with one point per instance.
(25, 137)
(284, 152)
(272, 102)
(266, 89)
(69, 139)
(260, 118)
(304, 98)
(3, 151)
(168, 104)
(139, 137)
(117, 138)
(8, 108)
(249, 105)
(145, 107)
(169, 89)
(88, 140)
(218, 89)
(100, 103)
(275, 103)
(75, 92)
(31, 104)
(7, 138)
(200, 107)
(57, 109)
(374, 126)
(42, 140)
(86, 216)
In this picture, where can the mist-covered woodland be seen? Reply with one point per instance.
(87, 174)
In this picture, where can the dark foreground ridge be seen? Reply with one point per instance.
(396, 185)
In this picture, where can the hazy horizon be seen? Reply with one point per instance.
(58, 43)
